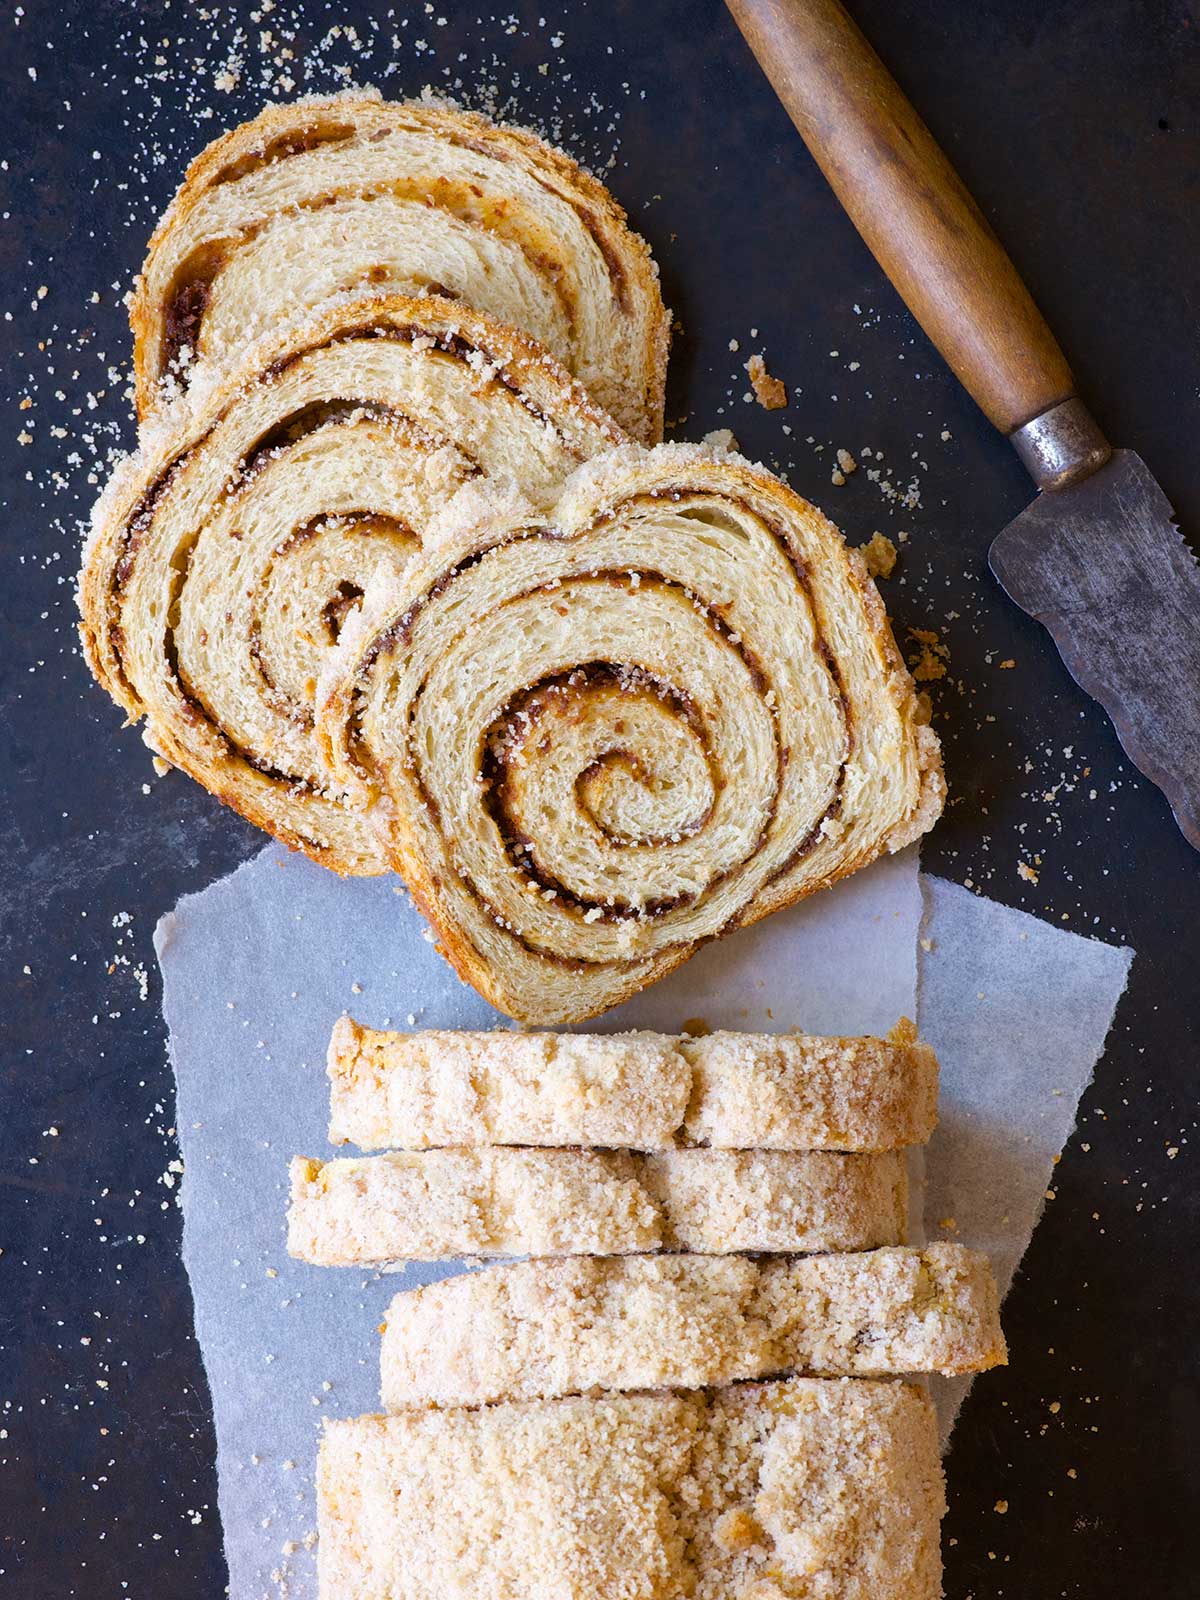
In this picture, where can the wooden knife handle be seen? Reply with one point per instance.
(908, 203)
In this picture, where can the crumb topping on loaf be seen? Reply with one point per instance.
(437, 1204)
(639, 1091)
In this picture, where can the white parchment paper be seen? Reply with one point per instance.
(1017, 1011)
(256, 968)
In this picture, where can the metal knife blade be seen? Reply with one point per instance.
(1096, 557)
(1103, 566)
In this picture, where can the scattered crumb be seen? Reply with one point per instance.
(768, 391)
(930, 661)
(879, 553)
(720, 439)
(1024, 870)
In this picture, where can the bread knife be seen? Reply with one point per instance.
(1096, 557)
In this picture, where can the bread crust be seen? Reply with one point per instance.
(439, 1204)
(781, 705)
(480, 184)
(359, 400)
(639, 1091)
(829, 1488)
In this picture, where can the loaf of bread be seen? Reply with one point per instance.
(535, 1330)
(639, 1091)
(332, 196)
(227, 556)
(595, 741)
(828, 1489)
(437, 1204)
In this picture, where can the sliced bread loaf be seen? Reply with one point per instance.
(806, 1487)
(540, 1329)
(640, 1091)
(329, 196)
(438, 1204)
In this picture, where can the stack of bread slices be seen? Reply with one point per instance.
(694, 1385)
(403, 573)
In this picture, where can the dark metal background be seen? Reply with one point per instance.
(1076, 126)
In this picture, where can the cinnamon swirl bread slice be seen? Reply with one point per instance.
(226, 556)
(606, 737)
(324, 196)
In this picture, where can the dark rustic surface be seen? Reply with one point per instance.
(1075, 125)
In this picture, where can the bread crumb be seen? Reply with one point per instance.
(768, 391)
(736, 1530)
(1001, 1507)
(720, 439)
(879, 553)
(931, 660)
(1024, 870)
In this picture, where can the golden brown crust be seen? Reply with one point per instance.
(540, 1329)
(804, 1488)
(435, 1205)
(639, 1091)
(229, 553)
(699, 716)
(327, 195)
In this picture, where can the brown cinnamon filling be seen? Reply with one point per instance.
(188, 297)
(185, 304)
(520, 850)
(296, 142)
(307, 420)
(287, 431)
(193, 706)
(345, 600)
(517, 724)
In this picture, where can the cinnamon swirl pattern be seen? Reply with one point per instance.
(595, 741)
(227, 556)
(350, 193)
